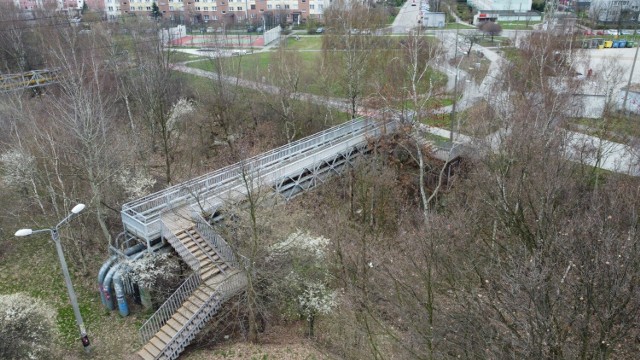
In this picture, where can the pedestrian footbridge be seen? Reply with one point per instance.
(175, 215)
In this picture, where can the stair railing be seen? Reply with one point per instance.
(166, 310)
(224, 250)
(226, 289)
(170, 306)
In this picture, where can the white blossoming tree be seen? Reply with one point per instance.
(27, 328)
(305, 291)
(153, 272)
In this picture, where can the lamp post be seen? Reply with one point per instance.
(55, 236)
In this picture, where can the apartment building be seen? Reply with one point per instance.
(615, 10)
(195, 11)
(229, 11)
(60, 5)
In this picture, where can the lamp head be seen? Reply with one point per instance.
(78, 208)
(24, 232)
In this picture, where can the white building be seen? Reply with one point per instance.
(514, 5)
(611, 10)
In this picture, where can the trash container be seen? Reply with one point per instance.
(608, 44)
(631, 44)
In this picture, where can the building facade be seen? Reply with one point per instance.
(614, 10)
(216, 11)
(496, 5)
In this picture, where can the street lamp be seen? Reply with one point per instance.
(63, 264)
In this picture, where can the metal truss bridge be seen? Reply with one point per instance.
(175, 215)
(27, 80)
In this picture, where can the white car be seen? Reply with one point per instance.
(611, 32)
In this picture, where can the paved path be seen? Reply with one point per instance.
(612, 156)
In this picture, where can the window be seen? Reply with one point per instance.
(214, 8)
(253, 16)
(110, 8)
(253, 7)
(239, 8)
(148, 8)
(215, 17)
(231, 8)
(170, 8)
(224, 12)
(197, 8)
(139, 8)
(319, 6)
(269, 6)
(311, 6)
(286, 6)
(278, 6)
(206, 8)
(206, 18)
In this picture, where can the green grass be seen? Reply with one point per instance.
(617, 128)
(178, 56)
(456, 25)
(305, 43)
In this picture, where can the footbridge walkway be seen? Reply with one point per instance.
(175, 214)
(27, 80)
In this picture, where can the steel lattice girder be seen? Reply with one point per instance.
(307, 178)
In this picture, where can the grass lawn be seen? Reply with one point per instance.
(305, 43)
(455, 25)
(262, 67)
(615, 127)
(31, 266)
(179, 56)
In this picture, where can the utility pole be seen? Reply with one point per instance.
(633, 66)
(455, 90)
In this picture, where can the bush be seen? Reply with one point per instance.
(27, 328)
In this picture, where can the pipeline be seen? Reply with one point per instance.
(115, 275)
(105, 296)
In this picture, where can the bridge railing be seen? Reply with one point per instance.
(141, 216)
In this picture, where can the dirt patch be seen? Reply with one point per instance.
(286, 342)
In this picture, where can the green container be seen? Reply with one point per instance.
(631, 44)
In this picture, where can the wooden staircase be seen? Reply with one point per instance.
(216, 282)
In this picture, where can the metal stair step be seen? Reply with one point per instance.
(180, 318)
(163, 336)
(186, 312)
(167, 329)
(175, 324)
(200, 294)
(144, 354)
(152, 349)
(209, 273)
(158, 343)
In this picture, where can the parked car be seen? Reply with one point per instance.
(627, 32)
(612, 32)
(588, 32)
(600, 32)
(260, 29)
(320, 30)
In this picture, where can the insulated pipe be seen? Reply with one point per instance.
(118, 286)
(123, 308)
(105, 277)
(101, 275)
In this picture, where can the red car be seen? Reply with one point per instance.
(600, 32)
(588, 32)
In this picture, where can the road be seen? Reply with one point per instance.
(407, 18)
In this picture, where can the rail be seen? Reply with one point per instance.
(170, 306)
(223, 291)
(182, 250)
(141, 215)
(224, 250)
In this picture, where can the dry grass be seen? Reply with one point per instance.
(278, 342)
